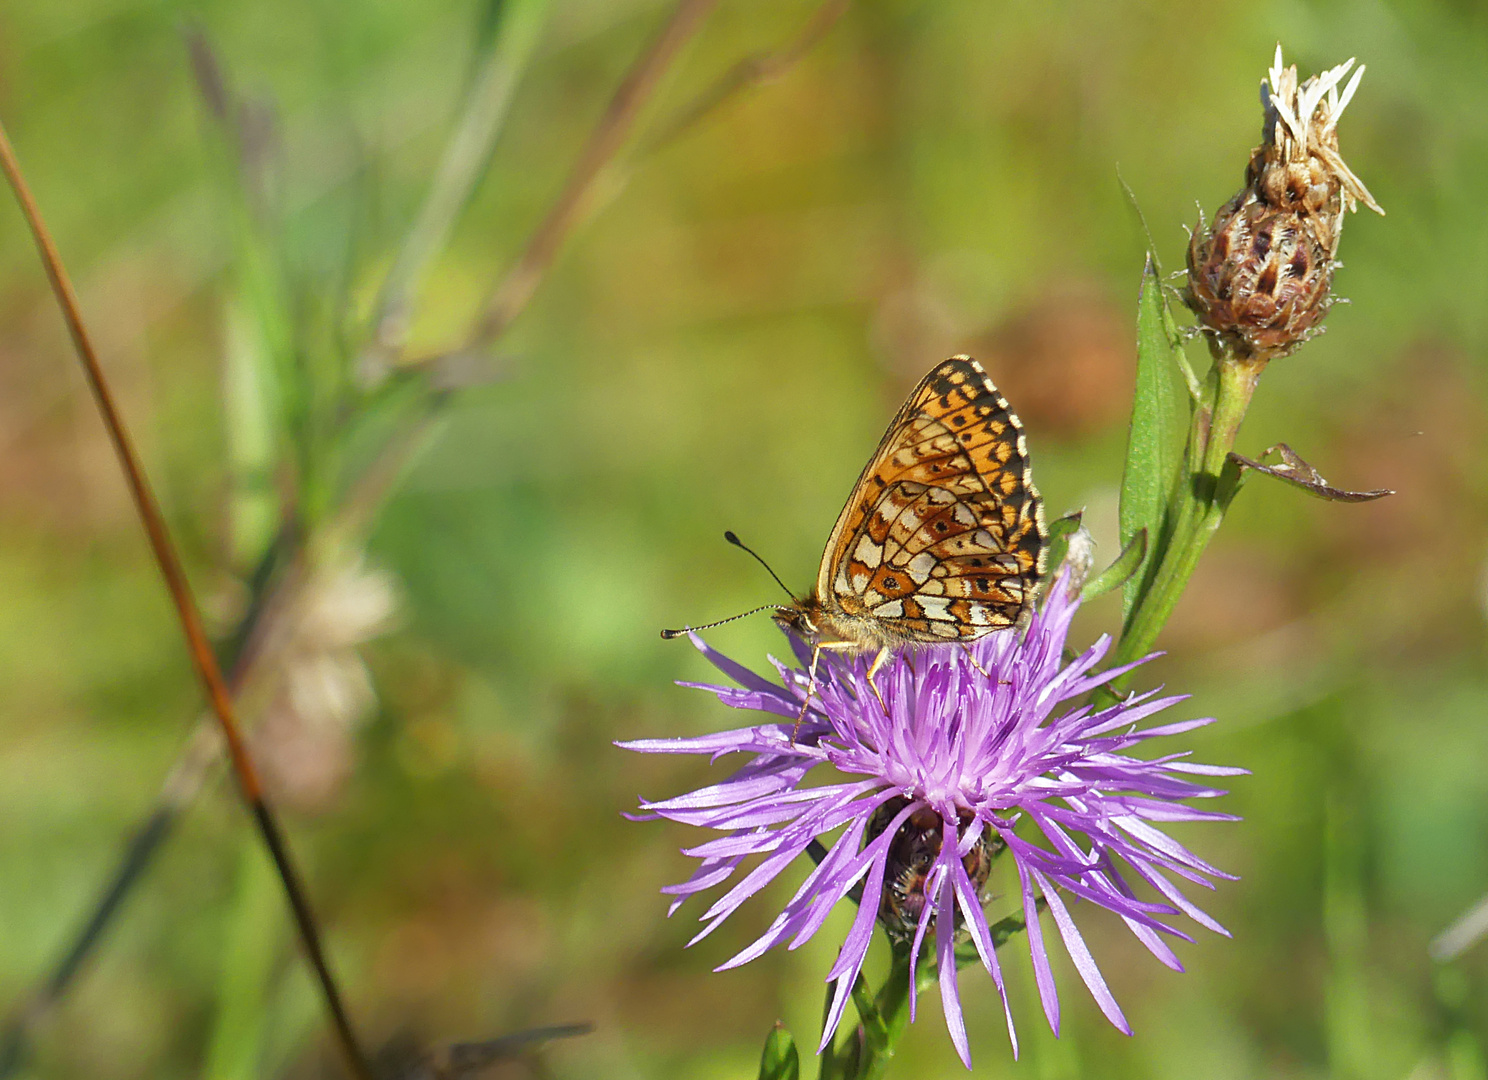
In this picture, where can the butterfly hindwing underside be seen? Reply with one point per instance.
(943, 537)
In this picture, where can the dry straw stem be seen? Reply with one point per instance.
(202, 657)
(182, 785)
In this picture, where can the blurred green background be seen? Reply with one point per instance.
(719, 347)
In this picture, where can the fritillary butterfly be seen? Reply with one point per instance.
(943, 537)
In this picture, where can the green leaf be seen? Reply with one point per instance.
(1155, 441)
(780, 1060)
(1194, 387)
(1060, 531)
(966, 952)
(1119, 572)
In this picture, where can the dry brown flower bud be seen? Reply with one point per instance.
(1260, 277)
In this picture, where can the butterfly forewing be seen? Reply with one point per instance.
(943, 536)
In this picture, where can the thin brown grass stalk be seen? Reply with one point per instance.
(202, 656)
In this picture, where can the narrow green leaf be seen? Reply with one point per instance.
(780, 1061)
(1155, 440)
(1010, 926)
(875, 1032)
(1180, 356)
(1119, 572)
(510, 31)
(1194, 387)
(966, 952)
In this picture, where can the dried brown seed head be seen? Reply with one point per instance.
(1260, 277)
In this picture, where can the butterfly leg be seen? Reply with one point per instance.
(878, 662)
(816, 651)
(971, 659)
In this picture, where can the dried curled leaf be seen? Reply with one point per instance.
(1297, 472)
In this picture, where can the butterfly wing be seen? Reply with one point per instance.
(943, 536)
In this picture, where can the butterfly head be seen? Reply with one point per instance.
(802, 616)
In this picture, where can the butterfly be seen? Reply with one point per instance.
(943, 537)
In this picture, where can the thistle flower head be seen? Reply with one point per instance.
(1260, 276)
(970, 754)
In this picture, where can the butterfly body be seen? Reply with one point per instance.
(943, 537)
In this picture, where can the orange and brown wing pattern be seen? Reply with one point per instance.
(943, 537)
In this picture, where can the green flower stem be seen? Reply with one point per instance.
(884, 1018)
(1209, 482)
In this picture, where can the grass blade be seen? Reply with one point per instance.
(516, 26)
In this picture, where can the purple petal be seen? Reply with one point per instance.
(1079, 952)
(1043, 975)
(945, 959)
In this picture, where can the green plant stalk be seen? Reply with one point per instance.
(884, 1017)
(249, 954)
(1210, 483)
(866, 1049)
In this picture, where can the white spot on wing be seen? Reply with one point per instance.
(936, 608)
(867, 552)
(894, 609)
(920, 567)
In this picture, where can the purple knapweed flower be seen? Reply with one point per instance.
(970, 743)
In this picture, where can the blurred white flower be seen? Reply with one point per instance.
(323, 690)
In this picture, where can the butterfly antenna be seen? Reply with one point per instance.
(732, 539)
(669, 634)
